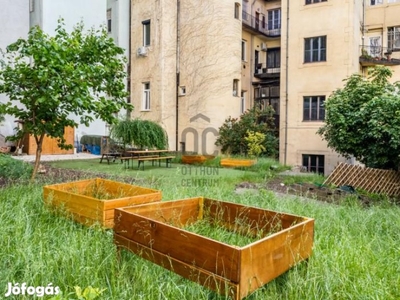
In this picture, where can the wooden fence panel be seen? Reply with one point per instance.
(372, 180)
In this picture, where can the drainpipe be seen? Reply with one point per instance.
(178, 8)
(129, 100)
(286, 85)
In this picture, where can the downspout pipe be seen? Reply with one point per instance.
(178, 9)
(286, 84)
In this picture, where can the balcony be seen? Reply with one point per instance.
(258, 26)
(377, 55)
(263, 72)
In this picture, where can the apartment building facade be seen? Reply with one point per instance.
(198, 62)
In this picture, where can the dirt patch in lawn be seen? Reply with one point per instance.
(310, 190)
(57, 175)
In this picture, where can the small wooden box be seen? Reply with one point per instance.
(235, 163)
(94, 200)
(156, 232)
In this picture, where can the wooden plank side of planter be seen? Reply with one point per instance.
(270, 257)
(235, 216)
(228, 162)
(190, 248)
(189, 271)
(76, 187)
(133, 200)
(178, 213)
(78, 204)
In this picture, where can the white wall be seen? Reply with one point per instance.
(14, 16)
(93, 13)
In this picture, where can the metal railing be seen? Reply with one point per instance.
(259, 26)
(262, 69)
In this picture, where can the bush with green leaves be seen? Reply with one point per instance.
(362, 119)
(140, 133)
(11, 168)
(233, 132)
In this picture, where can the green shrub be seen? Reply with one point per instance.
(233, 132)
(11, 168)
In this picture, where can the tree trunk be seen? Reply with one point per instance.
(39, 144)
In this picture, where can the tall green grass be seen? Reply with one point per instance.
(355, 255)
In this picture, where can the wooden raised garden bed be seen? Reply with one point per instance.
(230, 248)
(235, 163)
(94, 200)
(196, 159)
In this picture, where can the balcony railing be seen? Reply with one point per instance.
(259, 26)
(377, 55)
(262, 71)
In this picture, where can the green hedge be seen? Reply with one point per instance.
(11, 168)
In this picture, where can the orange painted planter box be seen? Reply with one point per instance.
(158, 232)
(196, 159)
(94, 200)
(234, 163)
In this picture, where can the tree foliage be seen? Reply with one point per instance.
(141, 133)
(233, 132)
(49, 79)
(362, 119)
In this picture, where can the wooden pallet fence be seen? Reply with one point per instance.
(372, 180)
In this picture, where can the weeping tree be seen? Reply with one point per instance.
(141, 133)
(49, 79)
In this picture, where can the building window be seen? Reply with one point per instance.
(313, 108)
(146, 33)
(31, 5)
(243, 102)
(315, 1)
(393, 1)
(146, 96)
(274, 59)
(244, 46)
(375, 2)
(274, 19)
(237, 10)
(235, 87)
(315, 49)
(314, 163)
(109, 20)
(394, 38)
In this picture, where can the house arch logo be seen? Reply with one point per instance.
(200, 137)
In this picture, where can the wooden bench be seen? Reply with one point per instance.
(167, 159)
(126, 159)
(108, 156)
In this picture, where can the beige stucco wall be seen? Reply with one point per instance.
(342, 29)
(208, 61)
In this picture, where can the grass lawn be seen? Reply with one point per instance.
(356, 251)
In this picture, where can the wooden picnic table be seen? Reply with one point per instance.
(148, 155)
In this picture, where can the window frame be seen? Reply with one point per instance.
(375, 2)
(146, 104)
(244, 52)
(243, 102)
(308, 111)
(237, 11)
(308, 2)
(319, 166)
(320, 50)
(393, 35)
(235, 88)
(274, 19)
(109, 20)
(146, 33)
